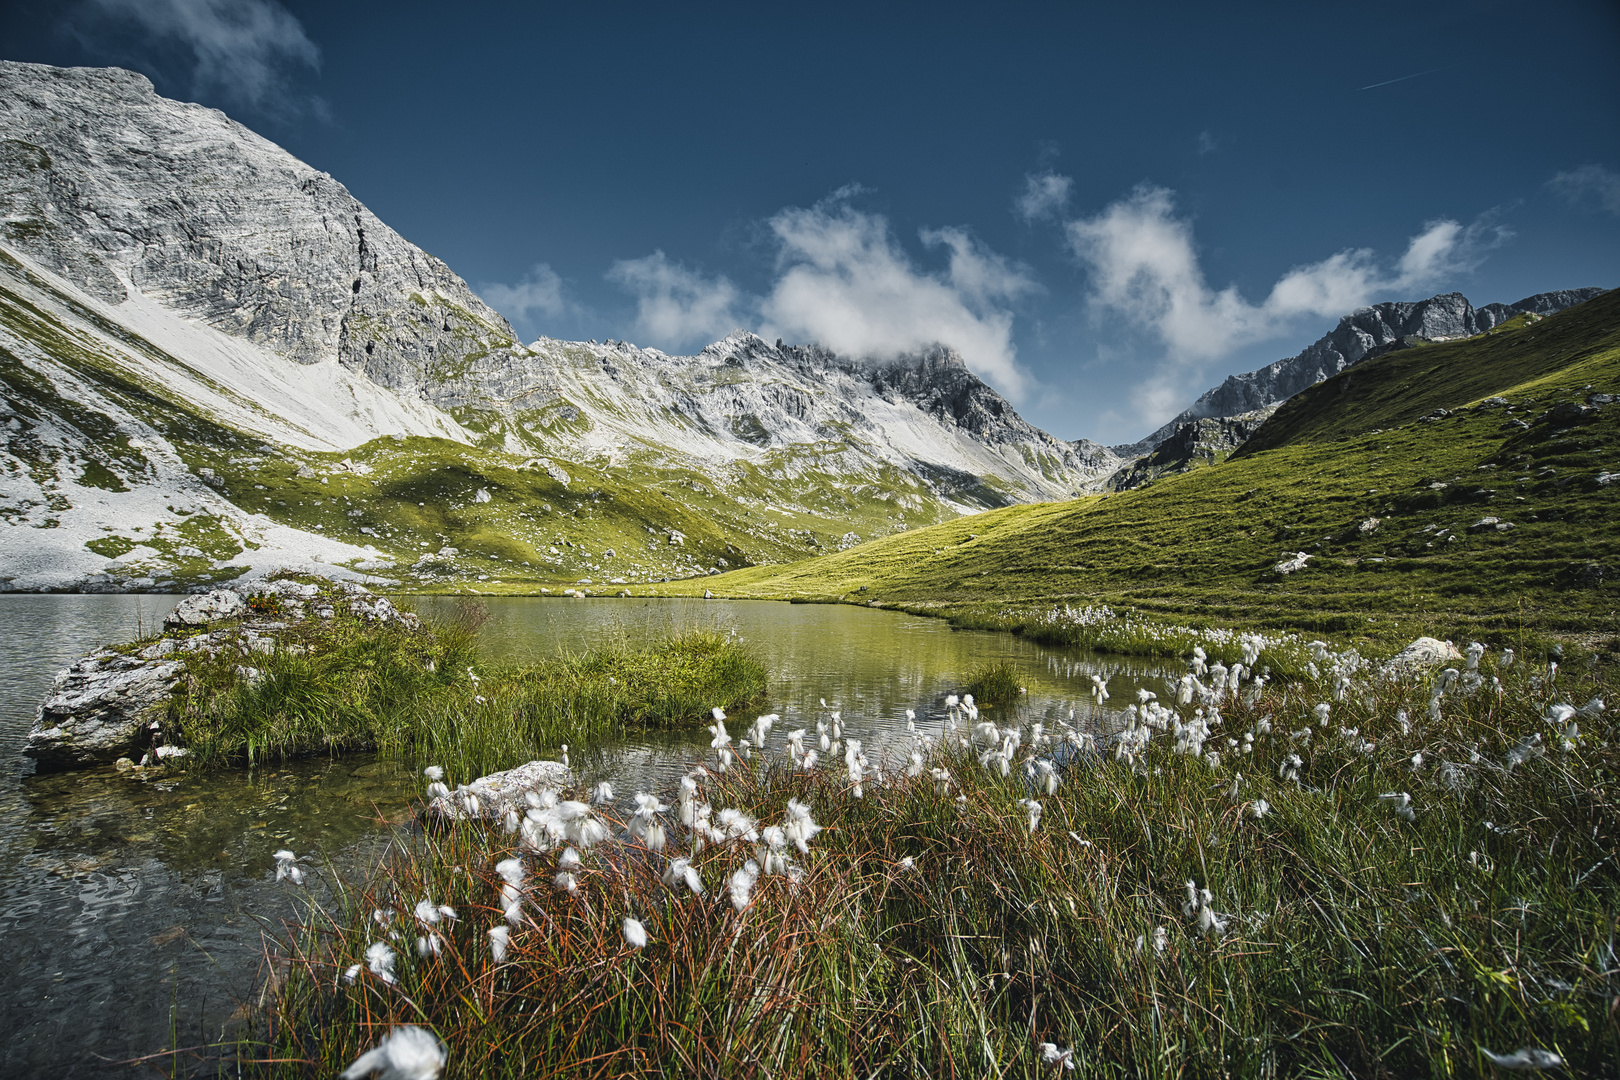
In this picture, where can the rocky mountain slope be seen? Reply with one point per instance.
(1367, 332)
(216, 361)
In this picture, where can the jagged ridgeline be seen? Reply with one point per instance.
(1470, 485)
(214, 360)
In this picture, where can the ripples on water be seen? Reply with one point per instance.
(133, 911)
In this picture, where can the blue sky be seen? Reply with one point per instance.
(1106, 208)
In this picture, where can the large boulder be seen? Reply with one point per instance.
(104, 707)
(206, 608)
(1425, 652)
(495, 794)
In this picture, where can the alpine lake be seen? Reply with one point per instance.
(138, 913)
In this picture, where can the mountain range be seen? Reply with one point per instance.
(215, 361)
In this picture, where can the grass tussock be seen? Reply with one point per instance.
(339, 684)
(1351, 875)
(995, 683)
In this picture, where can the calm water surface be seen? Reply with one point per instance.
(133, 913)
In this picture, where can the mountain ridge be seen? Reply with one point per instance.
(1443, 317)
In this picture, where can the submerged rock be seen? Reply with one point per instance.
(497, 793)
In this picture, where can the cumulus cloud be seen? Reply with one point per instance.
(1045, 195)
(538, 293)
(1144, 266)
(244, 50)
(675, 305)
(1589, 183)
(844, 280)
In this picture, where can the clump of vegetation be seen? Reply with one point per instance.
(346, 683)
(995, 683)
(1366, 873)
(512, 715)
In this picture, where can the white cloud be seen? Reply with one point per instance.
(843, 280)
(242, 49)
(538, 292)
(1207, 143)
(1045, 195)
(676, 306)
(1593, 182)
(1144, 267)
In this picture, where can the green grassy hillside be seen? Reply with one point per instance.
(1495, 517)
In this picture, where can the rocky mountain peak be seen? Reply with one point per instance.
(1365, 331)
(112, 186)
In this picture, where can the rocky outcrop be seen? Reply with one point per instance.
(103, 707)
(1363, 333)
(1197, 442)
(112, 703)
(1424, 652)
(492, 797)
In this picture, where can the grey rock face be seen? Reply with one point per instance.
(104, 182)
(100, 709)
(1361, 333)
(744, 399)
(493, 796)
(206, 608)
(1205, 440)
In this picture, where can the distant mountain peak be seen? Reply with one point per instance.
(1443, 317)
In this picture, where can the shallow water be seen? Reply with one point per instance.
(134, 910)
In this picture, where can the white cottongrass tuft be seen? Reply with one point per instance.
(1033, 808)
(498, 937)
(380, 960)
(741, 885)
(634, 933)
(405, 1053)
(434, 773)
(798, 827)
(1527, 1059)
(1401, 803)
(1053, 1058)
(682, 872)
(287, 867)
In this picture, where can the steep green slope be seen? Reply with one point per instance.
(1494, 517)
(1400, 387)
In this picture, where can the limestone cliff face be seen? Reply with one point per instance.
(1439, 318)
(112, 187)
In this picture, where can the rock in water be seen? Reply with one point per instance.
(99, 707)
(110, 704)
